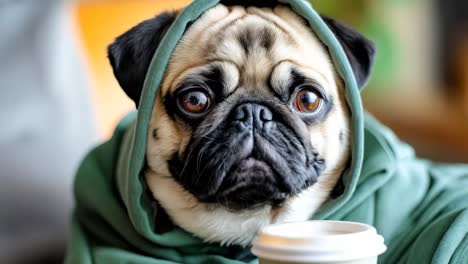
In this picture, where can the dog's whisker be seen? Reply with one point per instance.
(199, 157)
(186, 163)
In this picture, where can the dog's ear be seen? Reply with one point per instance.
(359, 50)
(131, 53)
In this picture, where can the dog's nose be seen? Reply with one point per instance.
(253, 114)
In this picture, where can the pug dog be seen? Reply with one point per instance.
(250, 126)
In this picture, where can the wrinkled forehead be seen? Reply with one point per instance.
(252, 43)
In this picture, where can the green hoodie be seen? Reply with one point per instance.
(420, 208)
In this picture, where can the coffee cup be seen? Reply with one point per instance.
(319, 242)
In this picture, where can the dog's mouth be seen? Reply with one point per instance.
(250, 184)
(246, 181)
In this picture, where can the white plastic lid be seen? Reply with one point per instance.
(318, 241)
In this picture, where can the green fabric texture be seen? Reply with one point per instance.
(419, 207)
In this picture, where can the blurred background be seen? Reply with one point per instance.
(53, 64)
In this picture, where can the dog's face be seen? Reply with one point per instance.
(250, 126)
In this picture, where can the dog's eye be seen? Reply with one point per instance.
(307, 101)
(195, 102)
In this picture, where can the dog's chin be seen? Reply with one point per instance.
(249, 185)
